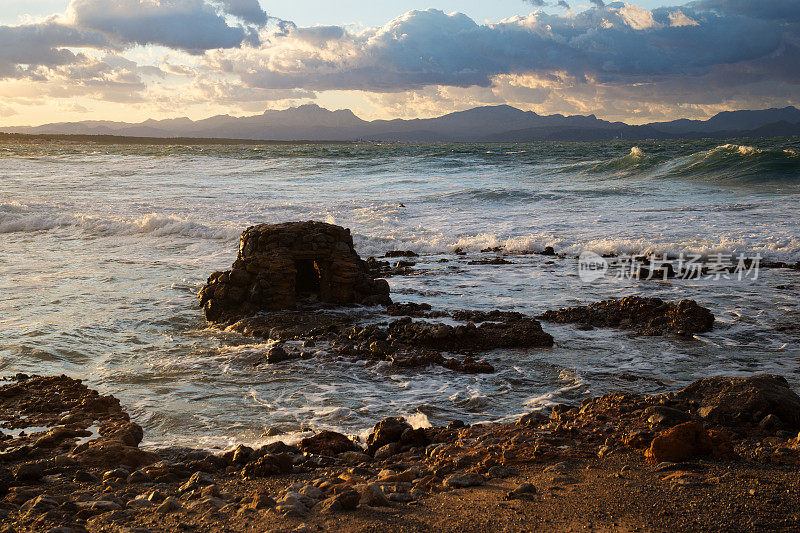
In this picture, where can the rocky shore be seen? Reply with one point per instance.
(720, 454)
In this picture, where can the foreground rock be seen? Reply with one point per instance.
(760, 400)
(280, 265)
(635, 457)
(648, 316)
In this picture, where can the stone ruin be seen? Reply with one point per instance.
(282, 265)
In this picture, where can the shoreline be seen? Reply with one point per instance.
(721, 454)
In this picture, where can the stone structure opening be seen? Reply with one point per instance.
(307, 282)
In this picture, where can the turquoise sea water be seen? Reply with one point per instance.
(104, 248)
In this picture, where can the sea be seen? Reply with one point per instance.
(103, 249)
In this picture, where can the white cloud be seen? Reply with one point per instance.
(637, 18)
(678, 19)
(617, 57)
(430, 47)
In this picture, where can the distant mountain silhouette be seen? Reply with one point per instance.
(501, 123)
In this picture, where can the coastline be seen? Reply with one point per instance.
(597, 467)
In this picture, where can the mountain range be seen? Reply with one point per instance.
(501, 123)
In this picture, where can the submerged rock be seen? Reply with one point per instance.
(280, 265)
(648, 316)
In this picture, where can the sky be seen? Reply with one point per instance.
(132, 60)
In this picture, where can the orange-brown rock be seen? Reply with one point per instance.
(111, 453)
(680, 443)
(328, 443)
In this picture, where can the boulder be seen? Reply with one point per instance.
(112, 453)
(732, 401)
(328, 443)
(680, 443)
(387, 431)
(281, 265)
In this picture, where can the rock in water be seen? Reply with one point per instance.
(280, 265)
(648, 316)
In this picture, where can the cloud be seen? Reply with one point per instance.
(246, 10)
(617, 42)
(678, 19)
(191, 25)
(25, 47)
(617, 55)
(7, 111)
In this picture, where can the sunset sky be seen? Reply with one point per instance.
(131, 60)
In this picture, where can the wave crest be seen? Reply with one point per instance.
(18, 218)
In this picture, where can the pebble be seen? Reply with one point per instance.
(372, 495)
(100, 506)
(400, 497)
(464, 479)
(523, 491)
(169, 505)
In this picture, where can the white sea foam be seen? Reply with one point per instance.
(17, 218)
(102, 257)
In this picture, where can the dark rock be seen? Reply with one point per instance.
(408, 309)
(328, 443)
(648, 316)
(401, 253)
(268, 465)
(384, 452)
(464, 479)
(197, 481)
(84, 476)
(240, 455)
(278, 447)
(535, 418)
(524, 491)
(735, 401)
(770, 422)
(33, 471)
(517, 332)
(386, 432)
(278, 354)
(492, 261)
(280, 265)
(659, 415)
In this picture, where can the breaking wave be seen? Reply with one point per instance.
(17, 218)
(735, 163)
